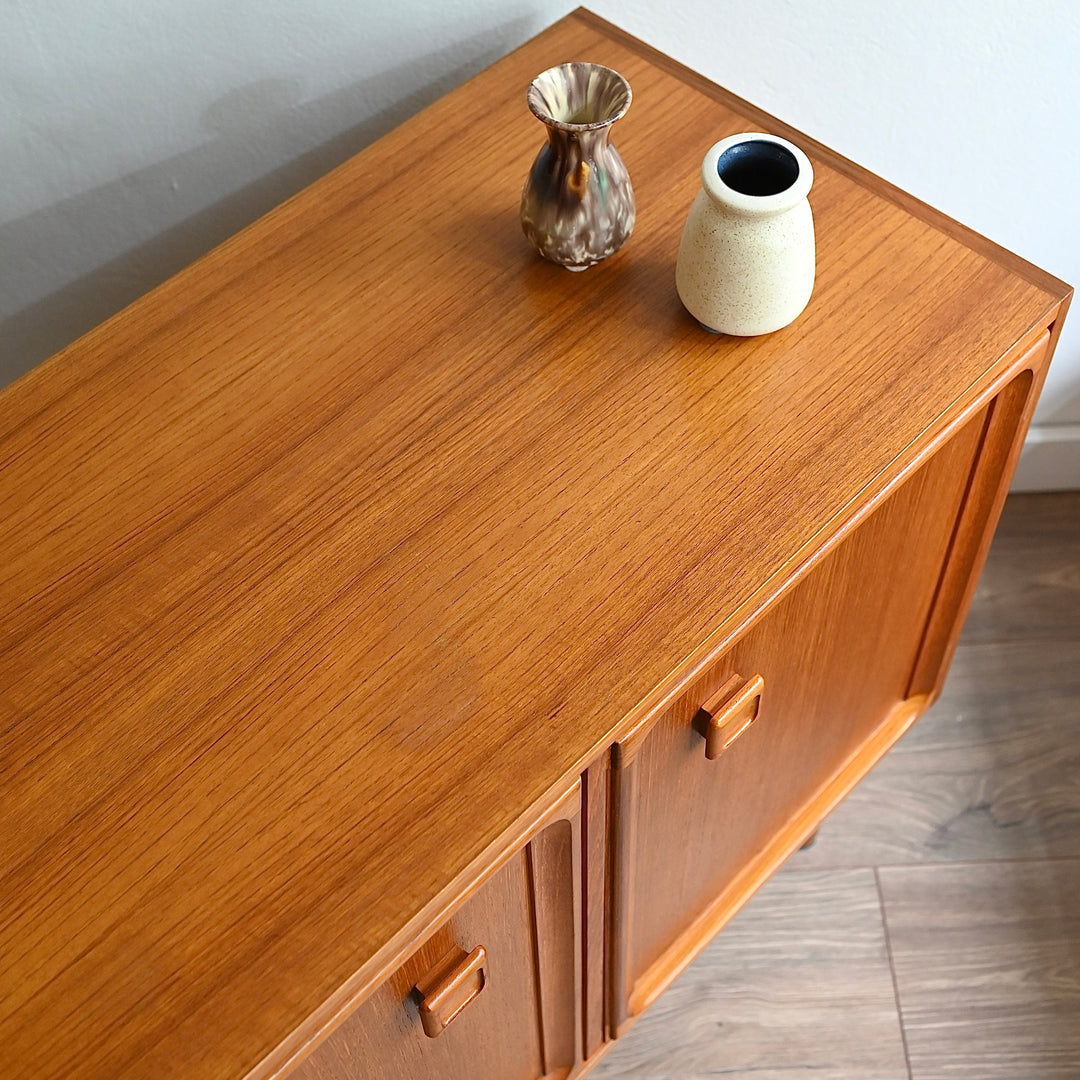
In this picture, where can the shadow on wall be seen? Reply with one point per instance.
(253, 125)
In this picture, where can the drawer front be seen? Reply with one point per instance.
(705, 795)
(492, 994)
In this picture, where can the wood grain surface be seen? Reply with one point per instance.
(1030, 586)
(987, 959)
(1007, 420)
(836, 654)
(383, 1038)
(339, 555)
(797, 984)
(992, 771)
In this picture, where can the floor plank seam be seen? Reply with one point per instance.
(924, 863)
(892, 972)
(1068, 638)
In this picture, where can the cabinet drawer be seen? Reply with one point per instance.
(492, 994)
(713, 793)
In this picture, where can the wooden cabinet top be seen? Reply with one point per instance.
(330, 561)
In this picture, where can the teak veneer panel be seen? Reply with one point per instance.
(836, 655)
(382, 1038)
(329, 564)
(524, 1022)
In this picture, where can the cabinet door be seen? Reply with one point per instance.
(492, 994)
(805, 691)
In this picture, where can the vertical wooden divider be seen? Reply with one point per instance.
(557, 920)
(594, 851)
(623, 801)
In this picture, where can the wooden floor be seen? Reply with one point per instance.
(933, 931)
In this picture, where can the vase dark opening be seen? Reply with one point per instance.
(758, 167)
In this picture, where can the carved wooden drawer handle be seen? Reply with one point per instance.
(729, 712)
(450, 985)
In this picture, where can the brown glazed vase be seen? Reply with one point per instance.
(578, 206)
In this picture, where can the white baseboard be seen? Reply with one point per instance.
(1050, 460)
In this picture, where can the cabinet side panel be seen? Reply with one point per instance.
(1006, 424)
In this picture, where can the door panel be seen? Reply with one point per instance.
(796, 697)
(492, 994)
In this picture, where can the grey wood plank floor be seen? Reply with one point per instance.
(933, 931)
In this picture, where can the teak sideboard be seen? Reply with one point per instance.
(413, 653)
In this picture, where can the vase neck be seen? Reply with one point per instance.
(569, 144)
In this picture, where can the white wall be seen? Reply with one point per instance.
(135, 135)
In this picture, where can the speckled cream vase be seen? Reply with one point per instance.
(578, 206)
(746, 260)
